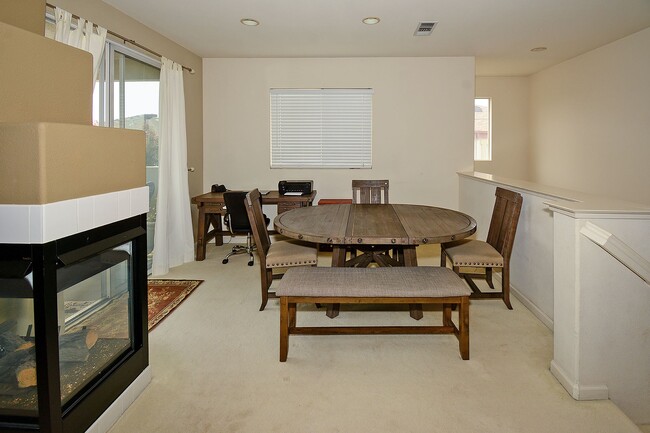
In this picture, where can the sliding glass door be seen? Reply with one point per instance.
(127, 96)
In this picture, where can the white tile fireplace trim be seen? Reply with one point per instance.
(39, 224)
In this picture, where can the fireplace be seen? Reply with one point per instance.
(73, 326)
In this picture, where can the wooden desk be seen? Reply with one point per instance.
(210, 207)
(403, 225)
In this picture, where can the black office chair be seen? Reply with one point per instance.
(236, 219)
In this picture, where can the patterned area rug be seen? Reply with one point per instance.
(165, 295)
(111, 321)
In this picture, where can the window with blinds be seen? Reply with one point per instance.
(321, 128)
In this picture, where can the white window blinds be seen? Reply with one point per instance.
(321, 128)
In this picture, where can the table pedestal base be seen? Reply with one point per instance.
(408, 258)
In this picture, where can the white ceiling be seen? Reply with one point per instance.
(499, 33)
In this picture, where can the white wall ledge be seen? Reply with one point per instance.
(572, 203)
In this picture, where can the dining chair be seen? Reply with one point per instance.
(276, 255)
(365, 191)
(370, 191)
(494, 253)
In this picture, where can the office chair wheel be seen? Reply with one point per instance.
(224, 261)
(250, 263)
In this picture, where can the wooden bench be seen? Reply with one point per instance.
(396, 285)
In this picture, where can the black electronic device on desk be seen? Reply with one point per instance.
(295, 187)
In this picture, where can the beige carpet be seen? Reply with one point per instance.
(215, 369)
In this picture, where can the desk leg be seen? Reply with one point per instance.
(338, 260)
(201, 233)
(411, 259)
(215, 220)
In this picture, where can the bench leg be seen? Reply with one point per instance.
(463, 328)
(284, 328)
(333, 310)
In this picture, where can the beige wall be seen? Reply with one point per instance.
(42, 80)
(25, 14)
(422, 123)
(589, 121)
(510, 125)
(114, 20)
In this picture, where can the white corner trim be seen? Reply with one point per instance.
(618, 249)
(577, 391)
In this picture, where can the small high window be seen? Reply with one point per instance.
(482, 129)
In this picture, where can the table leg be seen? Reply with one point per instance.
(338, 260)
(338, 256)
(411, 259)
(201, 232)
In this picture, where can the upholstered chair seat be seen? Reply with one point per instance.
(473, 253)
(287, 253)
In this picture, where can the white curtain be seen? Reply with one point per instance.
(173, 241)
(82, 36)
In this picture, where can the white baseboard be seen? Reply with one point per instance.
(543, 317)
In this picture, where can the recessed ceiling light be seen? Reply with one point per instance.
(249, 22)
(538, 49)
(371, 20)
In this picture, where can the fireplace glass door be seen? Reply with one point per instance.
(95, 320)
(94, 311)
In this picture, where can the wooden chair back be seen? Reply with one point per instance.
(258, 224)
(370, 191)
(503, 224)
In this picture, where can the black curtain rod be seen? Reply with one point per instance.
(130, 41)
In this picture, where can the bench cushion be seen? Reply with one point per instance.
(421, 281)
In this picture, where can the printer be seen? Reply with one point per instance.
(295, 187)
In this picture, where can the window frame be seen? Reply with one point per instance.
(477, 151)
(106, 97)
(327, 133)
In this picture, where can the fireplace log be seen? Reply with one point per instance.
(26, 374)
(74, 347)
(11, 361)
(84, 338)
(10, 342)
(8, 325)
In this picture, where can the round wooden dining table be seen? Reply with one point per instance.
(401, 225)
(369, 227)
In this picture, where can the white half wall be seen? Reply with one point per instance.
(531, 262)
(589, 121)
(595, 298)
(423, 117)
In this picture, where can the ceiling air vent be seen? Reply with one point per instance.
(425, 28)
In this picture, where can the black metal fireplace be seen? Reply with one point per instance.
(73, 326)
